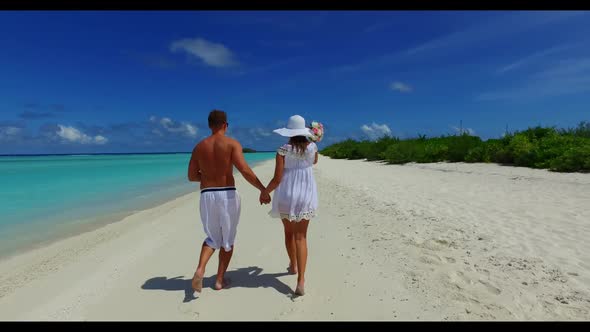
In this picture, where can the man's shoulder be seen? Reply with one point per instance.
(201, 144)
(232, 141)
(198, 145)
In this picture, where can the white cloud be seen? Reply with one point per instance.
(9, 133)
(537, 55)
(492, 28)
(190, 129)
(562, 77)
(464, 130)
(401, 87)
(259, 137)
(568, 68)
(375, 131)
(260, 132)
(73, 135)
(166, 122)
(251, 135)
(212, 54)
(170, 126)
(100, 139)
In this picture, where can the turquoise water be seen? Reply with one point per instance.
(43, 195)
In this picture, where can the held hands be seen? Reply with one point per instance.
(264, 197)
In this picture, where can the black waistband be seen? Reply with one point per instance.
(218, 189)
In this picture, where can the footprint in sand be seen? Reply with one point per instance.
(491, 288)
(437, 244)
(287, 312)
(188, 310)
(455, 276)
(434, 259)
(296, 298)
(431, 259)
(450, 260)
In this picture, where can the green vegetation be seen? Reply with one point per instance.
(248, 150)
(561, 150)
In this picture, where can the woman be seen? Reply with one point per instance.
(295, 200)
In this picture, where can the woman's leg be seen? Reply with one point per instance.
(290, 245)
(301, 246)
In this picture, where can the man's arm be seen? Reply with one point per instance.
(240, 162)
(194, 170)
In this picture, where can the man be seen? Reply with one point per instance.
(212, 164)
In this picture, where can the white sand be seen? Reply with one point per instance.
(413, 242)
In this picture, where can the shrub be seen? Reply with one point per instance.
(564, 150)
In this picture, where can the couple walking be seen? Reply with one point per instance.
(295, 199)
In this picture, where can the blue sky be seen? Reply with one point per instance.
(75, 82)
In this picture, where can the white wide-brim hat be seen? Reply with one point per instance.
(295, 127)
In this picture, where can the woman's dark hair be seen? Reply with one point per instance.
(299, 143)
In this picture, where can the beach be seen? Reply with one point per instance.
(391, 242)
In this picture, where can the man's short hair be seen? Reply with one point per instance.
(217, 118)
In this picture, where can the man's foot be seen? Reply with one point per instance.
(223, 284)
(197, 282)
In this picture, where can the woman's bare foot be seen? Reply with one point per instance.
(223, 284)
(300, 290)
(292, 269)
(197, 282)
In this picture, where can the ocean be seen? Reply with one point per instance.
(46, 197)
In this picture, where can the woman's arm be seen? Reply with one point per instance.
(316, 158)
(276, 180)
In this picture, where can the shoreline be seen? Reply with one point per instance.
(75, 226)
(72, 246)
(413, 242)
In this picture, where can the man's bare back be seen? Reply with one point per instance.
(213, 156)
(213, 159)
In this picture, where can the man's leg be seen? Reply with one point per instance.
(206, 253)
(224, 258)
(211, 228)
(229, 219)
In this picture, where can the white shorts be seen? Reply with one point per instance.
(220, 214)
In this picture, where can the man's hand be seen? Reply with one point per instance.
(264, 197)
(194, 170)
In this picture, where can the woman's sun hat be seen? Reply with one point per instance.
(295, 127)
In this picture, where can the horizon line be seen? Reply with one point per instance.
(97, 153)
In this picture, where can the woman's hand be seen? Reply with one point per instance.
(264, 197)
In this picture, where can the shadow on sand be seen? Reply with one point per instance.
(249, 277)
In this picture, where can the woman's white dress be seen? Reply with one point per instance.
(296, 197)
